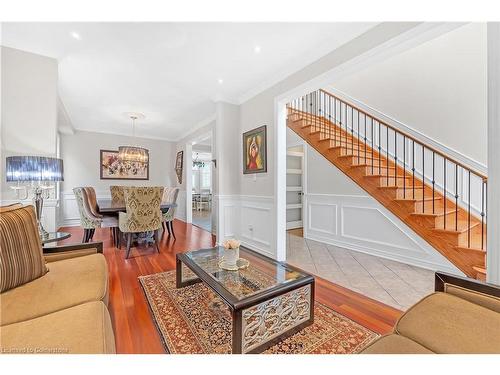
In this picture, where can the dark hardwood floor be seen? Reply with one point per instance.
(135, 331)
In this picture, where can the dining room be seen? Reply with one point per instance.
(110, 181)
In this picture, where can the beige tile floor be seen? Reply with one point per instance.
(393, 283)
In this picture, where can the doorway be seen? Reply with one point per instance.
(201, 184)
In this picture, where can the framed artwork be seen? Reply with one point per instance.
(255, 151)
(114, 169)
(178, 165)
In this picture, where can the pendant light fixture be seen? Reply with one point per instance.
(133, 154)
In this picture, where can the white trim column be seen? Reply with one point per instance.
(493, 252)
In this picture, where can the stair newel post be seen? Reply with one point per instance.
(335, 121)
(413, 166)
(395, 158)
(404, 166)
(456, 197)
(423, 179)
(358, 137)
(364, 137)
(371, 135)
(485, 212)
(468, 214)
(387, 154)
(444, 178)
(346, 120)
(352, 130)
(483, 184)
(330, 119)
(379, 146)
(433, 181)
(320, 119)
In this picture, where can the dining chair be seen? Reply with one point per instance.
(117, 195)
(143, 213)
(169, 196)
(90, 218)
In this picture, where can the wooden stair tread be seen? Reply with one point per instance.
(436, 214)
(463, 227)
(479, 269)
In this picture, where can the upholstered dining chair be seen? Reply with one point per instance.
(117, 195)
(90, 218)
(143, 213)
(169, 196)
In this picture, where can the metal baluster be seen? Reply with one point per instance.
(445, 198)
(468, 216)
(433, 181)
(456, 197)
(486, 209)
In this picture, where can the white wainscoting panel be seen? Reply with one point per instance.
(69, 208)
(360, 223)
(257, 223)
(50, 211)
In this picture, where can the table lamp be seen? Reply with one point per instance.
(38, 170)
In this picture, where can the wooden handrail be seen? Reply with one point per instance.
(479, 174)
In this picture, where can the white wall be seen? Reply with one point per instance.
(29, 116)
(29, 106)
(81, 155)
(438, 88)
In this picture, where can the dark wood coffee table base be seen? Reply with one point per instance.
(261, 320)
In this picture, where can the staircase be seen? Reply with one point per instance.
(439, 198)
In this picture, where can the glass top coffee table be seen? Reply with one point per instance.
(268, 300)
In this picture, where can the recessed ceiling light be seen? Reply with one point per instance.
(220, 81)
(75, 35)
(257, 49)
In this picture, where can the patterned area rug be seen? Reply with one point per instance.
(194, 320)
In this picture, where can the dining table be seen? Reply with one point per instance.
(110, 207)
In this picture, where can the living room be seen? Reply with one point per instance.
(150, 176)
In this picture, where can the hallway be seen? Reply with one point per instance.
(395, 284)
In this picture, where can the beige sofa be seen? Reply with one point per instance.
(63, 311)
(461, 317)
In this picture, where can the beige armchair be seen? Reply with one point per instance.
(117, 195)
(169, 196)
(143, 213)
(90, 218)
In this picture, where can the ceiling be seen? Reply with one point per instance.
(170, 72)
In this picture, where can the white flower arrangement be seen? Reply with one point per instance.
(231, 244)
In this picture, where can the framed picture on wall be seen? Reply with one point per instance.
(255, 151)
(178, 165)
(114, 169)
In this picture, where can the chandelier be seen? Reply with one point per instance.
(198, 163)
(133, 154)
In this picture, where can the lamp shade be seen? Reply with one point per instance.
(34, 168)
(133, 154)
